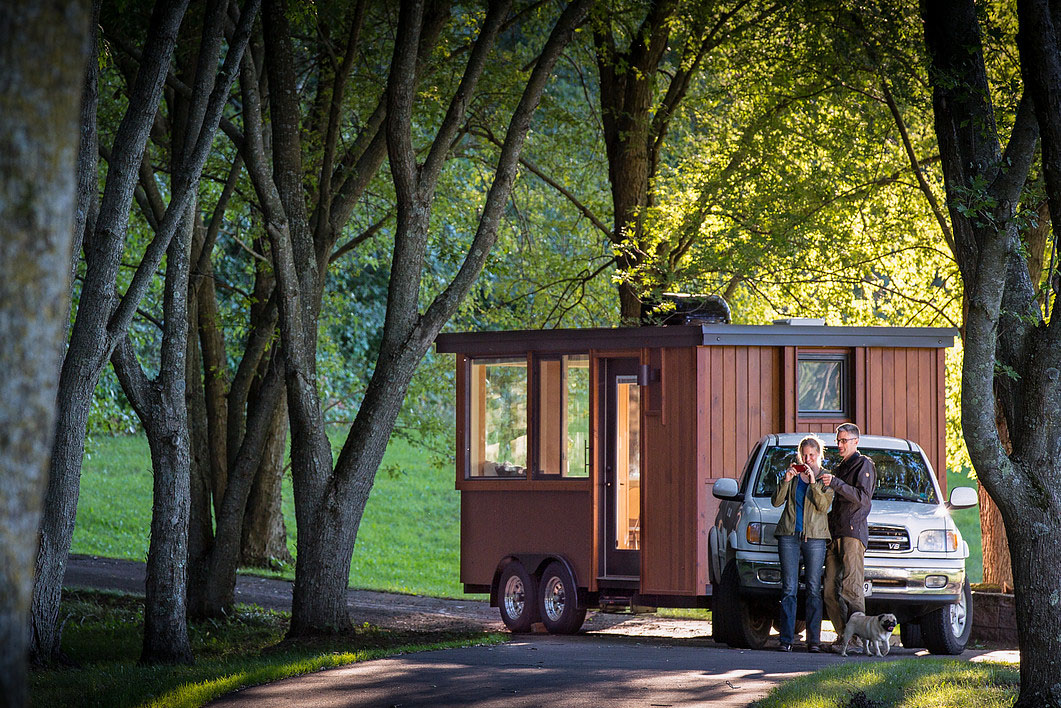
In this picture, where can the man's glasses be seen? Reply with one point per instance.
(844, 441)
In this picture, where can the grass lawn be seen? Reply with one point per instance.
(910, 683)
(408, 540)
(409, 536)
(103, 632)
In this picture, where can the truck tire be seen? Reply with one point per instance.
(745, 625)
(910, 635)
(723, 610)
(558, 601)
(517, 598)
(947, 629)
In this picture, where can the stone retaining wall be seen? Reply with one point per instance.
(994, 618)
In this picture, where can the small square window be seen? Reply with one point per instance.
(822, 387)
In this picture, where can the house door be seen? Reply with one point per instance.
(621, 411)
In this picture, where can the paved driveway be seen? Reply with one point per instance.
(541, 670)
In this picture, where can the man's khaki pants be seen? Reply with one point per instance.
(842, 586)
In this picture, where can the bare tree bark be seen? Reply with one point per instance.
(983, 186)
(97, 327)
(43, 49)
(329, 505)
(161, 404)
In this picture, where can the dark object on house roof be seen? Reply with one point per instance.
(683, 309)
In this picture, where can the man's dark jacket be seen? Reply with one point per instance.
(853, 481)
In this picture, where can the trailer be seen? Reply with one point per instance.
(585, 458)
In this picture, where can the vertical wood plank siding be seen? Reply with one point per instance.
(905, 398)
(670, 547)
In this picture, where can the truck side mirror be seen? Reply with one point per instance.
(726, 489)
(962, 498)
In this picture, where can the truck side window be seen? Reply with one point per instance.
(498, 418)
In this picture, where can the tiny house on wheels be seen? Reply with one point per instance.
(585, 458)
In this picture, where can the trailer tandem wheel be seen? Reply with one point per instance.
(558, 601)
(517, 598)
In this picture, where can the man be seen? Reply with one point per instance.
(853, 482)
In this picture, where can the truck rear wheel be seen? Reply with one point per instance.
(743, 624)
(517, 598)
(947, 629)
(558, 601)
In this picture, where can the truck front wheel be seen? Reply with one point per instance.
(947, 629)
(517, 598)
(743, 624)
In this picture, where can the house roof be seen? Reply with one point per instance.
(786, 335)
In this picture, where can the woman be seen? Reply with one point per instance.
(803, 531)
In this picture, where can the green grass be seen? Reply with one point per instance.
(408, 541)
(968, 522)
(906, 683)
(102, 635)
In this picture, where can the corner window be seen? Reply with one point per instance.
(823, 385)
(563, 416)
(498, 412)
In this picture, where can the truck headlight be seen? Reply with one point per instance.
(938, 541)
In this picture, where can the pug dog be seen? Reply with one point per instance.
(874, 630)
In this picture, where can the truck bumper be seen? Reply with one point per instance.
(929, 584)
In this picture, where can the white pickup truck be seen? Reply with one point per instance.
(915, 563)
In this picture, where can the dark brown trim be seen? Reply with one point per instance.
(581, 341)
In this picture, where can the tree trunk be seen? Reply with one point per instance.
(43, 47)
(329, 507)
(264, 542)
(983, 185)
(91, 340)
(997, 568)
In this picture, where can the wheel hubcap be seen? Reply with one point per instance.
(958, 615)
(515, 597)
(555, 599)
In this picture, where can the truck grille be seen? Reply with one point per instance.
(888, 538)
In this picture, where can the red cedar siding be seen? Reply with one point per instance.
(669, 541)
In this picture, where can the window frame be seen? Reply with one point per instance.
(844, 358)
(534, 419)
(470, 364)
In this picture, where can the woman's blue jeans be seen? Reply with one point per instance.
(812, 550)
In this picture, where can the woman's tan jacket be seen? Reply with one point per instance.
(815, 508)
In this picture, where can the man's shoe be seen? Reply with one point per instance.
(814, 648)
(784, 647)
(837, 647)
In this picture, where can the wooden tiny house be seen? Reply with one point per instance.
(595, 449)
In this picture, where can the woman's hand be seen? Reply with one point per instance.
(790, 473)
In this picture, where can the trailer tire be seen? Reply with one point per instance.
(517, 598)
(558, 601)
(745, 624)
(946, 630)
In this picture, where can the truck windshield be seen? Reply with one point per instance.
(902, 475)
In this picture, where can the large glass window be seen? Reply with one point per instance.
(563, 416)
(822, 385)
(498, 430)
